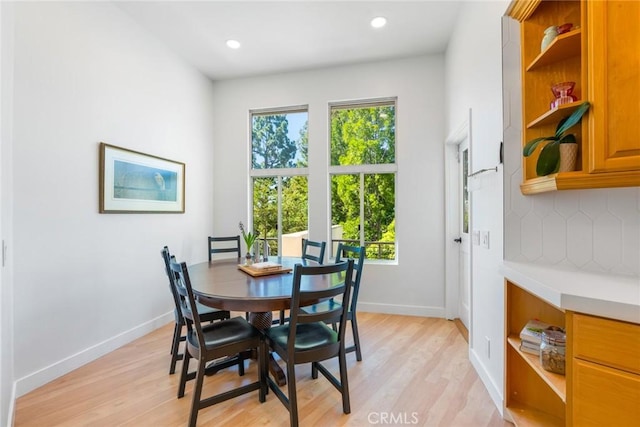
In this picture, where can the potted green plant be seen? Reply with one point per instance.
(549, 159)
(249, 240)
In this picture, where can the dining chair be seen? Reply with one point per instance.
(357, 253)
(217, 245)
(307, 338)
(206, 314)
(317, 255)
(207, 343)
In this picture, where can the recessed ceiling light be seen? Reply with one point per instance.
(233, 44)
(379, 22)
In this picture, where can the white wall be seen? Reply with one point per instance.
(6, 288)
(473, 70)
(416, 284)
(86, 282)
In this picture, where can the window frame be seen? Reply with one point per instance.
(277, 173)
(362, 170)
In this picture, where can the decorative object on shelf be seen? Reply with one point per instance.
(549, 35)
(531, 336)
(568, 157)
(552, 350)
(563, 93)
(565, 28)
(549, 158)
(249, 240)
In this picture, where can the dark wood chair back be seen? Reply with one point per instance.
(318, 250)
(233, 245)
(205, 314)
(357, 253)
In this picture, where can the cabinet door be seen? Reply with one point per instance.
(603, 396)
(613, 57)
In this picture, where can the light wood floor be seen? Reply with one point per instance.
(415, 371)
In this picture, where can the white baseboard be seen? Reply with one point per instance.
(494, 391)
(407, 310)
(39, 378)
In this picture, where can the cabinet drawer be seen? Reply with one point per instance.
(603, 396)
(609, 342)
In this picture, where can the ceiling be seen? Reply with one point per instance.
(280, 36)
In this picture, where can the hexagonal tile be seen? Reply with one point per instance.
(594, 203)
(607, 241)
(554, 242)
(631, 247)
(531, 235)
(568, 204)
(519, 203)
(579, 239)
(511, 235)
(623, 202)
(543, 204)
(593, 267)
(512, 151)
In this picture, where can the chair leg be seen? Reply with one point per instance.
(293, 397)
(344, 382)
(241, 364)
(197, 392)
(356, 337)
(175, 347)
(173, 340)
(184, 373)
(314, 370)
(263, 362)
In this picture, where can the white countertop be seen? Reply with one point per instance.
(615, 297)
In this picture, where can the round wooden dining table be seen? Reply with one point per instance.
(222, 284)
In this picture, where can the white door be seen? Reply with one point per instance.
(458, 224)
(464, 225)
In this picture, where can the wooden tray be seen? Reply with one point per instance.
(262, 272)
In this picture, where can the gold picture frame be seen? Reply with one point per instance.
(134, 182)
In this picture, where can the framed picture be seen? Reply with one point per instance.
(133, 182)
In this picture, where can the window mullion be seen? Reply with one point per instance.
(362, 242)
(279, 227)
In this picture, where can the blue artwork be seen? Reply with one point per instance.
(137, 182)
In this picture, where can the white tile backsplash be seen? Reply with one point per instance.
(604, 237)
(607, 236)
(554, 250)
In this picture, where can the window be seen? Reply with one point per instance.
(279, 177)
(363, 176)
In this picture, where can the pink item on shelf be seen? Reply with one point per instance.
(565, 28)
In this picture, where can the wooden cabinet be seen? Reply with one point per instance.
(613, 82)
(533, 396)
(602, 383)
(603, 386)
(601, 56)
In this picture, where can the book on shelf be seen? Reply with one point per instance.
(528, 347)
(532, 331)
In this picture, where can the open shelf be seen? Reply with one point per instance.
(554, 116)
(564, 46)
(556, 382)
(533, 396)
(524, 415)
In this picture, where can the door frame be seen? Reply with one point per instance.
(452, 217)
